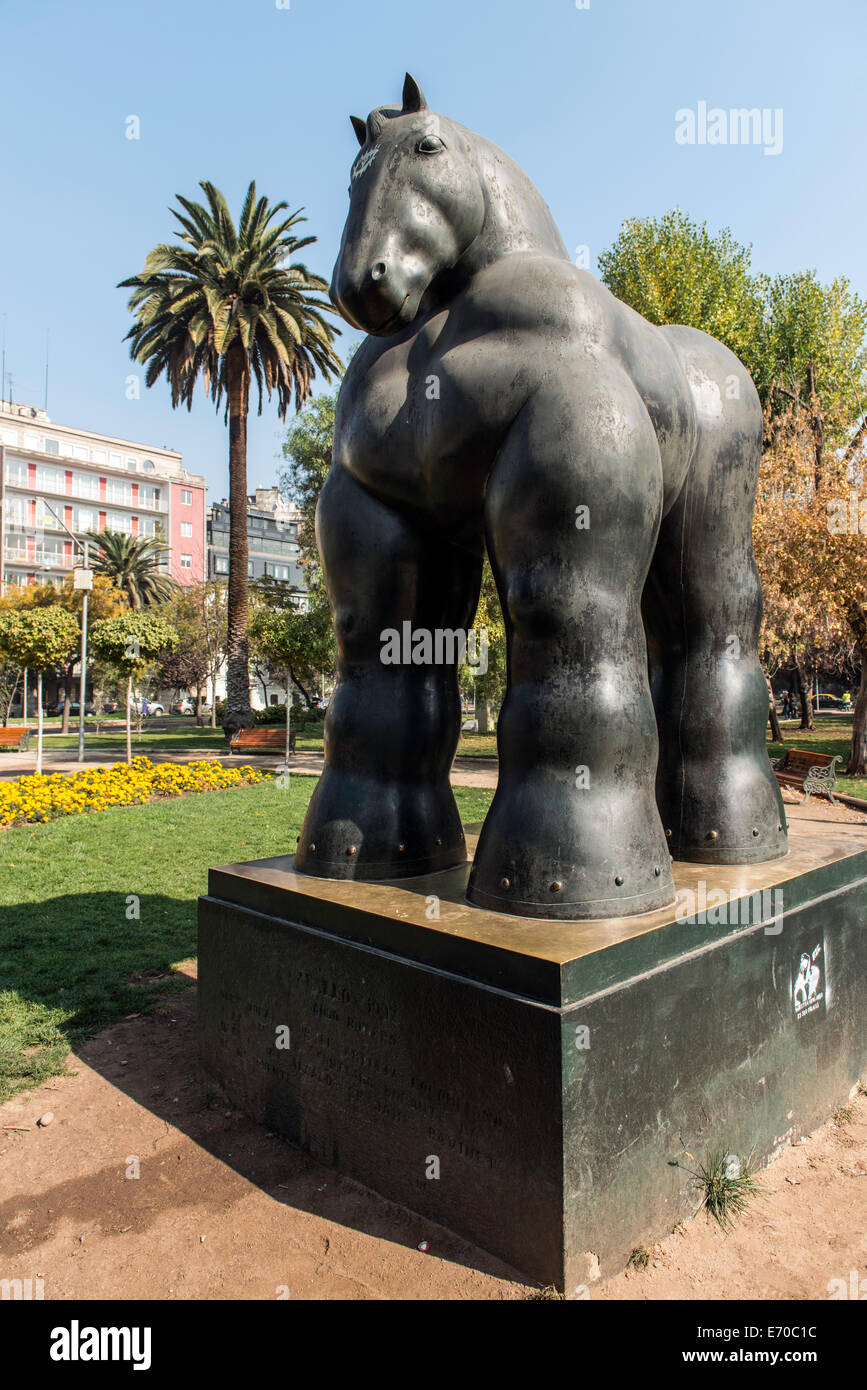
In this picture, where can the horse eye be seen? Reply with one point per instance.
(430, 145)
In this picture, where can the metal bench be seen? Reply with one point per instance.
(15, 737)
(814, 772)
(262, 741)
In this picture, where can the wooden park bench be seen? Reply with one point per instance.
(15, 737)
(814, 772)
(262, 741)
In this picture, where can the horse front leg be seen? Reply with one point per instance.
(384, 807)
(572, 513)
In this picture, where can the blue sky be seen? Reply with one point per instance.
(229, 90)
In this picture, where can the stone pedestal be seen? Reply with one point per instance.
(533, 1085)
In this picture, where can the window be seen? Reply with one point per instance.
(251, 569)
(85, 519)
(52, 446)
(9, 437)
(16, 471)
(148, 466)
(186, 528)
(85, 484)
(49, 479)
(79, 451)
(132, 464)
(277, 571)
(221, 564)
(100, 456)
(186, 497)
(118, 491)
(186, 562)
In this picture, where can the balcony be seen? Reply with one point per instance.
(19, 555)
(84, 489)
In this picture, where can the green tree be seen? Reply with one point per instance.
(673, 270)
(307, 451)
(133, 564)
(39, 639)
(130, 643)
(489, 687)
(224, 305)
(277, 634)
(814, 350)
(293, 629)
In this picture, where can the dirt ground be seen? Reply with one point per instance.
(221, 1209)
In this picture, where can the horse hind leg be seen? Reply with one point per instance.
(717, 795)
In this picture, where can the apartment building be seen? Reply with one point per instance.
(52, 473)
(272, 538)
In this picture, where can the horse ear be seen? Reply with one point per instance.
(360, 128)
(413, 96)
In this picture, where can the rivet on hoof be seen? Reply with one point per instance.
(656, 871)
(619, 880)
(780, 826)
(505, 883)
(556, 886)
(351, 850)
(312, 849)
(438, 840)
(755, 830)
(401, 849)
(668, 833)
(713, 834)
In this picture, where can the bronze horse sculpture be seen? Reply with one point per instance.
(505, 399)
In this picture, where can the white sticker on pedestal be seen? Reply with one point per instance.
(808, 990)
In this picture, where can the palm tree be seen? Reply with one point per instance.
(134, 563)
(225, 304)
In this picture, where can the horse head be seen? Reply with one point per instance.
(416, 205)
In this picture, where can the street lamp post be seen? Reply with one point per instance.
(82, 687)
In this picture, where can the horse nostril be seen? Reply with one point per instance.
(379, 270)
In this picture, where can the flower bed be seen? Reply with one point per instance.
(43, 798)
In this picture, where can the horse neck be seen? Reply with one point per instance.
(517, 218)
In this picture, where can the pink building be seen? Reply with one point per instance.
(57, 476)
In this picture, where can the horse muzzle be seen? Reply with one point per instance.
(379, 302)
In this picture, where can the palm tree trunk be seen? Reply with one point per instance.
(239, 714)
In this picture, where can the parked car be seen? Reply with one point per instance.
(74, 707)
(183, 707)
(153, 707)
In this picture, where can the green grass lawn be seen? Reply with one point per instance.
(68, 950)
(172, 740)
